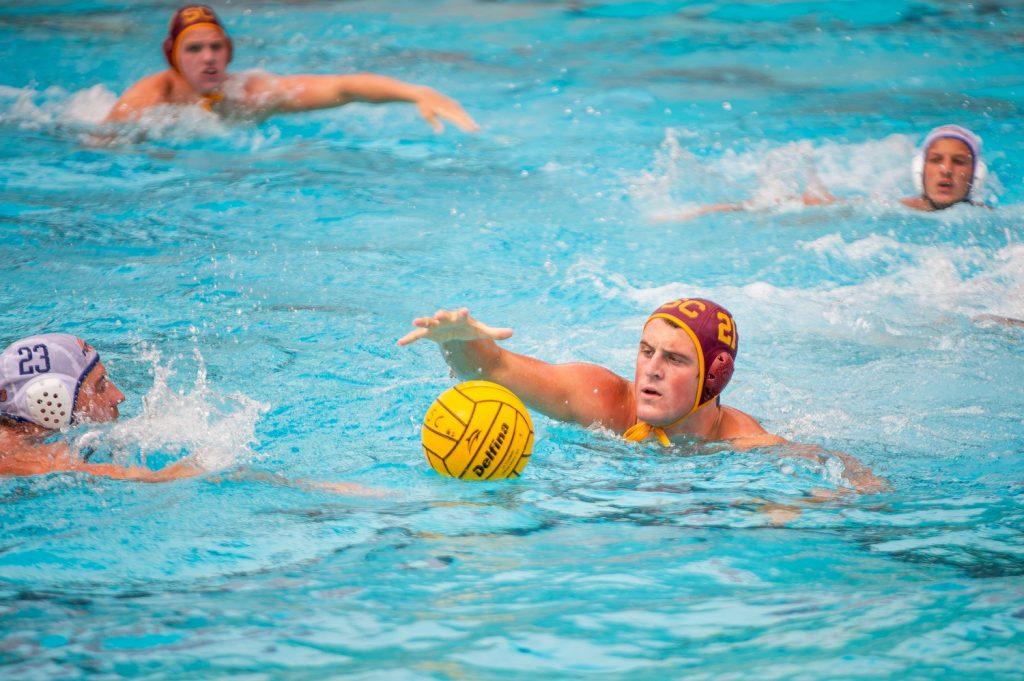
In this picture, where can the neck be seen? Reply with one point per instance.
(943, 206)
(702, 423)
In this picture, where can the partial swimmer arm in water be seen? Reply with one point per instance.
(815, 193)
(56, 458)
(818, 196)
(272, 94)
(346, 488)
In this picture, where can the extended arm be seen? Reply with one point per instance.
(307, 92)
(581, 393)
(175, 471)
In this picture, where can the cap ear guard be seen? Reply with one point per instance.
(49, 402)
(718, 376)
(917, 172)
(978, 181)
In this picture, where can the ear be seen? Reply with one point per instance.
(718, 375)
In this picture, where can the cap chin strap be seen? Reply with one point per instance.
(643, 430)
(209, 99)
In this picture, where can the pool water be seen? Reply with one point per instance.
(245, 283)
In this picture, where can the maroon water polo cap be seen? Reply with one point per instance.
(184, 20)
(713, 332)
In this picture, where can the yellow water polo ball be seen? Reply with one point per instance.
(478, 430)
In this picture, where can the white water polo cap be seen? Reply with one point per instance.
(955, 132)
(40, 377)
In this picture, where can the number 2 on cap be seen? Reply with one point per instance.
(726, 331)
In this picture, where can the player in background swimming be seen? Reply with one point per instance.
(685, 359)
(198, 50)
(947, 170)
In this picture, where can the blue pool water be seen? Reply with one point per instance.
(245, 284)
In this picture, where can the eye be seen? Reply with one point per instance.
(646, 351)
(195, 47)
(676, 359)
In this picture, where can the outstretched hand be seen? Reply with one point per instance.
(452, 325)
(433, 106)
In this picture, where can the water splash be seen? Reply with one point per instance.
(216, 431)
(81, 115)
(924, 283)
(54, 107)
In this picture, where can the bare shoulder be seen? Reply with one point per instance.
(253, 82)
(256, 90)
(153, 90)
(156, 85)
(743, 430)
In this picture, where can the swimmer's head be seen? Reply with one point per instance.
(685, 360)
(198, 47)
(949, 167)
(54, 379)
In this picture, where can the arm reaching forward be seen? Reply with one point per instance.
(307, 92)
(580, 393)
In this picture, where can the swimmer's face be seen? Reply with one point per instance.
(202, 58)
(666, 377)
(948, 172)
(98, 397)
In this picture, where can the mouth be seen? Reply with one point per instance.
(649, 392)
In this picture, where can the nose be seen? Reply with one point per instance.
(118, 395)
(654, 368)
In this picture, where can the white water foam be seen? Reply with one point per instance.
(920, 285)
(81, 114)
(215, 431)
(35, 110)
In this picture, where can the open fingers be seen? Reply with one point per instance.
(413, 336)
(459, 117)
(431, 117)
(495, 332)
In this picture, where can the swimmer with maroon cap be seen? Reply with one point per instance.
(198, 49)
(49, 383)
(686, 357)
